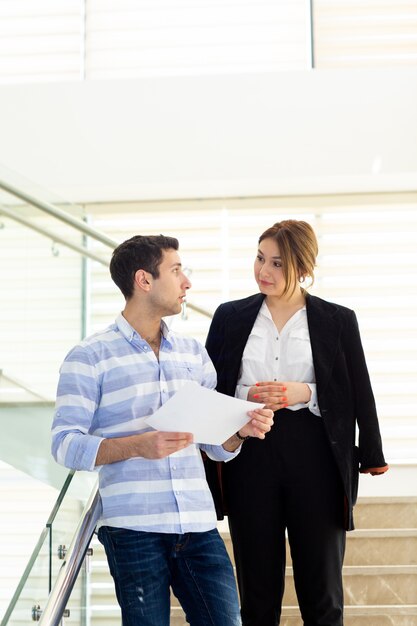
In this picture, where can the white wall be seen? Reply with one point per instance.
(290, 132)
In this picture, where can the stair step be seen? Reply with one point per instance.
(382, 615)
(382, 546)
(385, 585)
(389, 512)
(363, 585)
(355, 616)
(377, 546)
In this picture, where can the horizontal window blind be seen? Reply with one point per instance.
(66, 40)
(365, 33)
(40, 41)
(367, 261)
(131, 38)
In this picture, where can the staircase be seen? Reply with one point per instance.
(380, 573)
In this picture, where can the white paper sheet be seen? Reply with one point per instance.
(212, 417)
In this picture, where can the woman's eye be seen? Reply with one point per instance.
(259, 258)
(277, 264)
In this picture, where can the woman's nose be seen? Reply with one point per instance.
(264, 271)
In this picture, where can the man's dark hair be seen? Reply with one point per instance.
(141, 252)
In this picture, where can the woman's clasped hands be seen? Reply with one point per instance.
(277, 395)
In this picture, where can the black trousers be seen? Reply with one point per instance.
(287, 481)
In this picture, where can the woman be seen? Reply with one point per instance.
(302, 357)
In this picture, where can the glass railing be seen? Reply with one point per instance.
(70, 592)
(45, 313)
(60, 547)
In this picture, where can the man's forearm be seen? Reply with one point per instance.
(232, 444)
(117, 449)
(150, 445)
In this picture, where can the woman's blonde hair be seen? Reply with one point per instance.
(298, 249)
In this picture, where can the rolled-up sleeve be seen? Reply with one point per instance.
(77, 397)
(218, 453)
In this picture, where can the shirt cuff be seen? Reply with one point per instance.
(242, 392)
(313, 404)
(85, 453)
(218, 453)
(375, 471)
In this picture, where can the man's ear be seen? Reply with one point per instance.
(142, 281)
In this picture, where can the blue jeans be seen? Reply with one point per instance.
(144, 566)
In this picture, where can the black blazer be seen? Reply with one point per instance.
(344, 391)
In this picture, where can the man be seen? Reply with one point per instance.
(158, 524)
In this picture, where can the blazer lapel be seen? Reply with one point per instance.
(238, 329)
(324, 328)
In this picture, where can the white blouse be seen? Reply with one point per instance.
(281, 356)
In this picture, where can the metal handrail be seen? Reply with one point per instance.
(67, 576)
(48, 233)
(59, 214)
(70, 221)
(37, 549)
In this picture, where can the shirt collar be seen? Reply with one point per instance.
(264, 311)
(133, 336)
(267, 313)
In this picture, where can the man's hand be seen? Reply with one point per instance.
(158, 444)
(261, 423)
(150, 445)
(279, 395)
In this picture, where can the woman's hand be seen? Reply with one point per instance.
(278, 395)
(260, 424)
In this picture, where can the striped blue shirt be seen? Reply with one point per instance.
(108, 385)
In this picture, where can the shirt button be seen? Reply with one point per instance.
(174, 467)
(177, 493)
(276, 358)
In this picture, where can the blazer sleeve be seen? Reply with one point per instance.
(216, 338)
(215, 348)
(371, 456)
